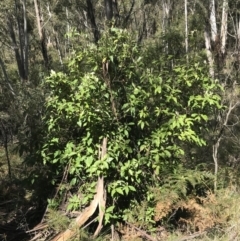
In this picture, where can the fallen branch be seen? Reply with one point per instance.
(38, 227)
(144, 233)
(98, 201)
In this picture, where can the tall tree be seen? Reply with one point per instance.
(91, 17)
(42, 34)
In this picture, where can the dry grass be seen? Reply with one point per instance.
(216, 217)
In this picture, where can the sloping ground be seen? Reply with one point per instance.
(214, 217)
(13, 211)
(18, 211)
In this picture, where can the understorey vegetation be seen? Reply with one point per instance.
(119, 120)
(151, 114)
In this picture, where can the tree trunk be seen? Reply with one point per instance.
(115, 8)
(108, 9)
(20, 64)
(213, 21)
(91, 17)
(20, 38)
(126, 19)
(238, 34)
(6, 77)
(67, 42)
(186, 27)
(209, 52)
(224, 26)
(25, 54)
(42, 35)
(166, 13)
(4, 131)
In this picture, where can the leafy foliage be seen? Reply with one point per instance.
(147, 112)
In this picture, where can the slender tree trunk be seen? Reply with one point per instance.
(209, 52)
(126, 19)
(20, 38)
(6, 77)
(210, 35)
(67, 42)
(108, 9)
(238, 33)
(215, 159)
(115, 8)
(224, 123)
(166, 12)
(213, 21)
(224, 26)
(142, 30)
(42, 35)
(218, 48)
(58, 47)
(16, 49)
(216, 43)
(186, 28)
(25, 55)
(91, 17)
(5, 144)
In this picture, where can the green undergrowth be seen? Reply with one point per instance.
(182, 207)
(177, 216)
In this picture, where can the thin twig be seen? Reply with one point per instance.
(144, 233)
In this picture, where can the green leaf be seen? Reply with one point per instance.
(89, 161)
(119, 190)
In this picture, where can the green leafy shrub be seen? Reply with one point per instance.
(115, 90)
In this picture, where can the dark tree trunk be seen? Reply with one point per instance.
(91, 17)
(42, 35)
(108, 9)
(19, 60)
(4, 131)
(126, 19)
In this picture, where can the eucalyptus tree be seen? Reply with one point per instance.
(15, 31)
(221, 34)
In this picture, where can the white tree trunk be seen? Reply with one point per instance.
(209, 53)
(166, 11)
(224, 26)
(238, 33)
(41, 32)
(39, 26)
(213, 21)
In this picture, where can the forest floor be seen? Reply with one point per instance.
(20, 212)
